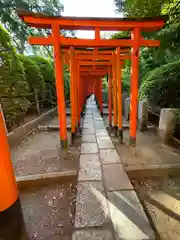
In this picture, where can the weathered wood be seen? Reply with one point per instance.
(51, 127)
(45, 178)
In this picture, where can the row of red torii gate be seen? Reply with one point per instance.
(90, 60)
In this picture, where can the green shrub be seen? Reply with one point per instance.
(67, 85)
(178, 114)
(161, 86)
(46, 69)
(33, 74)
(13, 85)
(48, 75)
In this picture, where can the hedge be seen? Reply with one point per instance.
(161, 85)
(33, 75)
(13, 84)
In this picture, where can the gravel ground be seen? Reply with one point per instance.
(49, 211)
(149, 151)
(41, 152)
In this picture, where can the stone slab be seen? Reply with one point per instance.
(93, 234)
(109, 156)
(105, 144)
(104, 137)
(100, 132)
(127, 216)
(88, 130)
(90, 168)
(91, 205)
(88, 124)
(89, 148)
(89, 138)
(116, 178)
(88, 117)
(99, 127)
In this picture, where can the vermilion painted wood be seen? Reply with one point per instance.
(72, 90)
(134, 83)
(91, 63)
(59, 84)
(110, 95)
(91, 42)
(100, 95)
(97, 34)
(99, 52)
(97, 57)
(9, 191)
(119, 89)
(114, 89)
(74, 23)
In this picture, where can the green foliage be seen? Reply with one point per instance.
(161, 85)
(178, 114)
(20, 76)
(67, 85)
(33, 74)
(159, 67)
(46, 68)
(126, 78)
(16, 27)
(120, 35)
(139, 8)
(13, 85)
(47, 71)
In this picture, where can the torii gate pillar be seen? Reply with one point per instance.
(60, 87)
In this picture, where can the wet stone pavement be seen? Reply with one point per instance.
(107, 207)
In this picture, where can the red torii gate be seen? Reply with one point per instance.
(94, 63)
(96, 24)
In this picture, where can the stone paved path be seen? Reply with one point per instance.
(107, 207)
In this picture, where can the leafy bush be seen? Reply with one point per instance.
(33, 73)
(161, 85)
(13, 85)
(47, 72)
(67, 85)
(46, 68)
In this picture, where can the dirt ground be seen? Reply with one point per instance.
(27, 118)
(149, 150)
(49, 211)
(40, 152)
